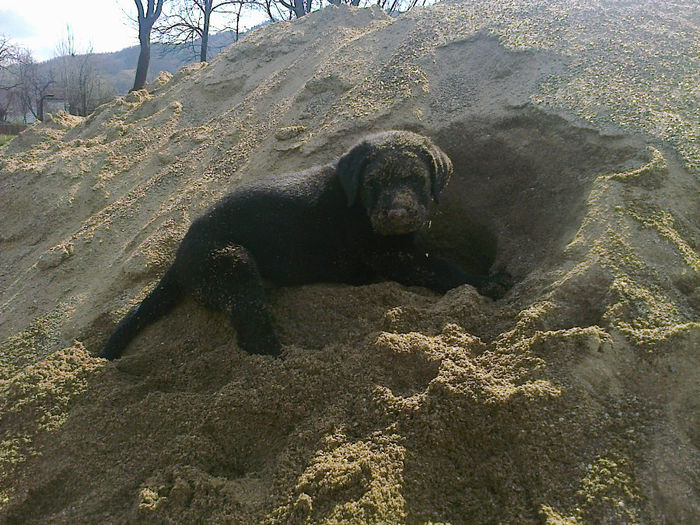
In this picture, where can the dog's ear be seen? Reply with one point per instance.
(440, 169)
(349, 170)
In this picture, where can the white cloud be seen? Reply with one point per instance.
(41, 24)
(13, 23)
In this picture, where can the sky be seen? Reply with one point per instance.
(39, 25)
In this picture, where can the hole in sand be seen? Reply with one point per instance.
(519, 190)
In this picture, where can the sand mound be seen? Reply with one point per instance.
(574, 398)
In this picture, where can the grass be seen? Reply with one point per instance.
(6, 138)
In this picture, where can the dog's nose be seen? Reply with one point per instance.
(398, 215)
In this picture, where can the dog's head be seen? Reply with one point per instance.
(393, 175)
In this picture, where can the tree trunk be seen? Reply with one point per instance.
(299, 8)
(205, 31)
(238, 20)
(144, 59)
(205, 44)
(146, 20)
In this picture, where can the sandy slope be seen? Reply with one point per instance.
(573, 128)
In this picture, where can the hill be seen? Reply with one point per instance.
(118, 68)
(573, 129)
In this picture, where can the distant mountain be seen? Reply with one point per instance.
(118, 68)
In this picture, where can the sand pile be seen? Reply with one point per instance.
(573, 129)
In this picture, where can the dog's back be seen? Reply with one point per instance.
(292, 224)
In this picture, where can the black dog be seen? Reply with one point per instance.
(352, 221)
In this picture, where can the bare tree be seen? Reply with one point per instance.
(7, 52)
(79, 83)
(300, 7)
(399, 6)
(289, 9)
(278, 10)
(7, 56)
(33, 85)
(237, 15)
(272, 8)
(189, 20)
(146, 18)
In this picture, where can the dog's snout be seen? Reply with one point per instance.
(401, 200)
(398, 214)
(397, 220)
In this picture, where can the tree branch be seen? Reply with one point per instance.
(139, 8)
